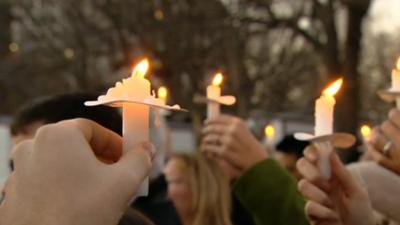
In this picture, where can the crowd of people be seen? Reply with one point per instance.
(68, 169)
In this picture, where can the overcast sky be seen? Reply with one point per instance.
(385, 15)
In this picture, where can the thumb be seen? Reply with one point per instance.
(135, 165)
(343, 176)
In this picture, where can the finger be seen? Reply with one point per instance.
(311, 153)
(313, 193)
(308, 170)
(222, 152)
(382, 160)
(319, 212)
(343, 176)
(216, 129)
(223, 119)
(394, 117)
(104, 142)
(211, 138)
(392, 132)
(377, 140)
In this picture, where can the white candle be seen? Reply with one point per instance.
(136, 116)
(396, 81)
(396, 77)
(324, 108)
(214, 92)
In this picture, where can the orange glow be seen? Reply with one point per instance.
(398, 64)
(365, 131)
(141, 68)
(162, 93)
(269, 131)
(217, 81)
(333, 88)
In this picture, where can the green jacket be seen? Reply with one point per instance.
(270, 194)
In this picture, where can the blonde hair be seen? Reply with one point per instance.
(210, 190)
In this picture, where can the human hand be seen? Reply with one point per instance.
(59, 179)
(230, 139)
(342, 200)
(384, 145)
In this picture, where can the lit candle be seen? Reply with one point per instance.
(396, 77)
(269, 131)
(135, 96)
(213, 93)
(136, 116)
(162, 94)
(396, 81)
(324, 107)
(365, 131)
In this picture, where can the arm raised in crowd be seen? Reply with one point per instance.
(59, 179)
(342, 200)
(265, 189)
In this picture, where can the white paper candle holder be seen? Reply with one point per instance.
(390, 96)
(223, 100)
(325, 145)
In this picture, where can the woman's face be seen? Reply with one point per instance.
(179, 190)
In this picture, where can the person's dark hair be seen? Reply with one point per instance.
(291, 145)
(62, 107)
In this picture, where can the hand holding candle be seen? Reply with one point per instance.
(134, 96)
(324, 138)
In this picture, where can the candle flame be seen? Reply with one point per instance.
(269, 131)
(141, 68)
(162, 92)
(218, 78)
(333, 88)
(398, 64)
(365, 131)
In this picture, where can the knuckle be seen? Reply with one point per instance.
(302, 185)
(300, 163)
(46, 131)
(392, 114)
(17, 150)
(54, 133)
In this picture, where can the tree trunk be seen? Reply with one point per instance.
(348, 106)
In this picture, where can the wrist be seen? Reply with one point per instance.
(261, 155)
